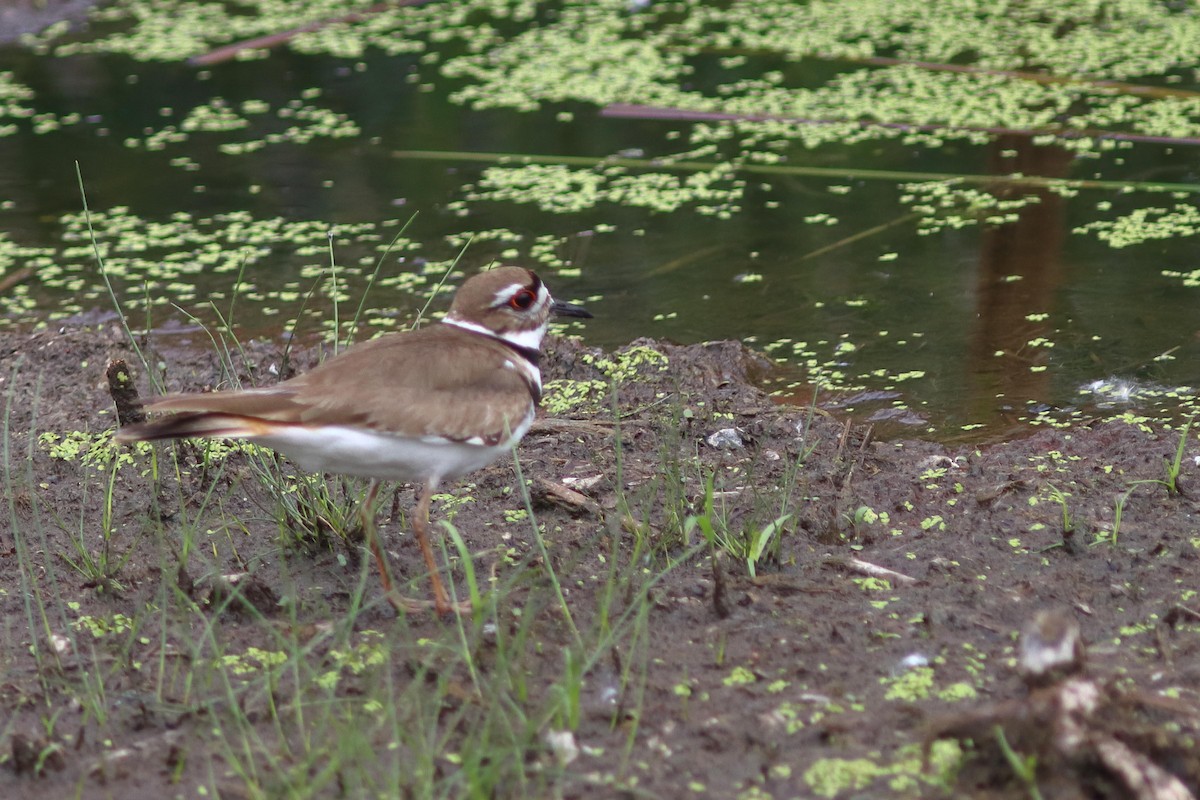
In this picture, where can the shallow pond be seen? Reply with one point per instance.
(898, 263)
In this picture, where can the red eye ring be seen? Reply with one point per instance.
(522, 300)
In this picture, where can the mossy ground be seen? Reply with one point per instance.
(166, 679)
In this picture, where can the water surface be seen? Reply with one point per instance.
(932, 322)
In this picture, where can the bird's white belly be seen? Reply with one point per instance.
(371, 454)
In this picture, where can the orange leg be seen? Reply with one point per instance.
(372, 535)
(441, 600)
(420, 524)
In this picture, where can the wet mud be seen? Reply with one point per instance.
(855, 628)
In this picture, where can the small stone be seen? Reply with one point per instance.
(562, 744)
(913, 661)
(726, 439)
(1051, 648)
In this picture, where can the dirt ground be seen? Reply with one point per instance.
(884, 620)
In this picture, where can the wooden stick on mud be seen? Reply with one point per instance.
(873, 570)
(124, 393)
(555, 494)
(720, 592)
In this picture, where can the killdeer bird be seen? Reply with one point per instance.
(421, 406)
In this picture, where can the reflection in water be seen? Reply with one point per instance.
(1020, 272)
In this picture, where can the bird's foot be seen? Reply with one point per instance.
(443, 606)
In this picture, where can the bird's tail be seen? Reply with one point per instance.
(196, 424)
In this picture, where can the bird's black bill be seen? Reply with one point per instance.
(561, 309)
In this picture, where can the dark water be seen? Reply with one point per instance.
(868, 296)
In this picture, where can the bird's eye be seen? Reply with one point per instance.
(522, 300)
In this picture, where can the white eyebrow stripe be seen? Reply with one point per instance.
(502, 296)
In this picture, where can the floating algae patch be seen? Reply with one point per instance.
(943, 205)
(13, 97)
(592, 54)
(558, 189)
(601, 54)
(186, 259)
(1146, 224)
(1007, 74)
(605, 53)
(295, 122)
(173, 30)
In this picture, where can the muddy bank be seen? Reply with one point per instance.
(866, 597)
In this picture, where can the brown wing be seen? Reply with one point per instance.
(435, 382)
(438, 381)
